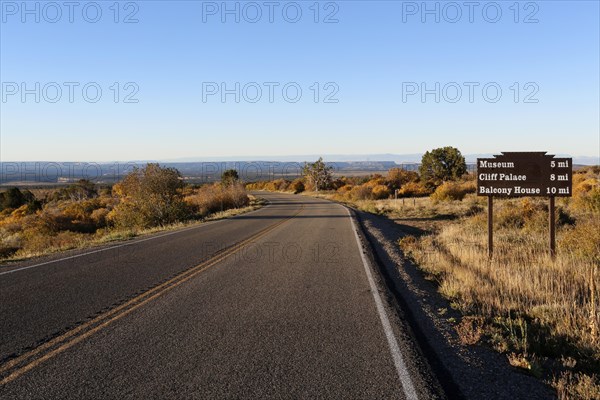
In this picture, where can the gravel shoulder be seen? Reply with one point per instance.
(468, 372)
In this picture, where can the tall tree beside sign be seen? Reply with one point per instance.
(519, 174)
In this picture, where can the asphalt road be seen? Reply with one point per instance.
(277, 303)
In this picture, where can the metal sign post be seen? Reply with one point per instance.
(521, 174)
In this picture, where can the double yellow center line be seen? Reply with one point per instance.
(18, 366)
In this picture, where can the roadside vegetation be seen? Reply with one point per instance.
(147, 200)
(542, 313)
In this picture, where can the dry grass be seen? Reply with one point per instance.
(210, 199)
(576, 386)
(536, 309)
(521, 277)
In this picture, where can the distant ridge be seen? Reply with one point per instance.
(307, 157)
(397, 158)
(331, 158)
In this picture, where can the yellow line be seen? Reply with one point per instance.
(90, 332)
(160, 289)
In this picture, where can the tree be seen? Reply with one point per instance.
(150, 196)
(318, 174)
(441, 165)
(229, 177)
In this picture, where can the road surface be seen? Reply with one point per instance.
(277, 303)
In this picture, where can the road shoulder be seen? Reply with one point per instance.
(423, 376)
(460, 369)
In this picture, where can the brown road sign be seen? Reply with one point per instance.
(517, 174)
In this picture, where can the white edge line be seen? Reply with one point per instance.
(135, 241)
(405, 379)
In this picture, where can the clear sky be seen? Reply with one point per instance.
(374, 61)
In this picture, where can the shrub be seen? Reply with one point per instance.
(51, 221)
(150, 196)
(278, 185)
(82, 190)
(297, 186)
(216, 197)
(345, 189)
(398, 177)
(586, 191)
(80, 213)
(570, 385)
(361, 192)
(14, 198)
(413, 189)
(449, 191)
(258, 185)
(21, 211)
(36, 243)
(375, 180)
(587, 201)
(380, 192)
(583, 239)
(338, 183)
(510, 215)
(99, 217)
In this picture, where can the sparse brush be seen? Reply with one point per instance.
(576, 386)
(67, 222)
(217, 198)
(547, 308)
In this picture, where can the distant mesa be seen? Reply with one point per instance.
(209, 169)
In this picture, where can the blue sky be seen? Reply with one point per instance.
(373, 58)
